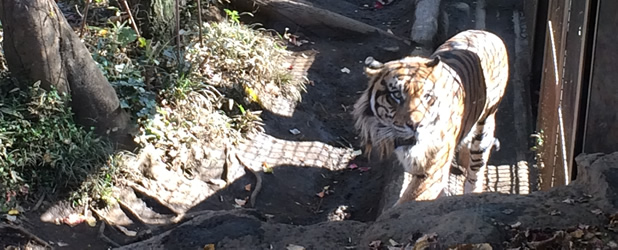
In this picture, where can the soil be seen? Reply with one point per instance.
(289, 210)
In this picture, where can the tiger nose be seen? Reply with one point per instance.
(415, 120)
(411, 122)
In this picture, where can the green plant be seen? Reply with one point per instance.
(41, 148)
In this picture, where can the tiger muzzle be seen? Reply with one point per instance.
(405, 142)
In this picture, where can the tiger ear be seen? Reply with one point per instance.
(434, 62)
(372, 66)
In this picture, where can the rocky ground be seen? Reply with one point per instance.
(312, 198)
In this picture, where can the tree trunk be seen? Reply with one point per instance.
(40, 45)
(156, 18)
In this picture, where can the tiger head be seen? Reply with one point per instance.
(399, 106)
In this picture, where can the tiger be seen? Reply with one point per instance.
(434, 112)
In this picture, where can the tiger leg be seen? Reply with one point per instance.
(430, 182)
(480, 150)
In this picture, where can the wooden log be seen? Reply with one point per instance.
(309, 16)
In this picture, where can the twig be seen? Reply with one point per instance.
(105, 238)
(27, 233)
(177, 10)
(84, 18)
(199, 19)
(258, 180)
(38, 203)
(128, 10)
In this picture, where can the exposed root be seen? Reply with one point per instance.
(157, 221)
(105, 238)
(27, 234)
(144, 191)
(258, 178)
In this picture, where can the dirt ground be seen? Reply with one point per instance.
(288, 209)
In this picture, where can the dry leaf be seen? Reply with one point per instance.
(11, 218)
(92, 222)
(569, 201)
(393, 242)
(240, 202)
(209, 246)
(555, 212)
(294, 247)
(596, 211)
(320, 194)
(248, 187)
(516, 225)
(375, 244)
(364, 169)
(266, 168)
(13, 212)
(352, 166)
(345, 70)
(577, 233)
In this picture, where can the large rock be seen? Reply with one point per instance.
(243, 229)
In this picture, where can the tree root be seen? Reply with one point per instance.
(105, 238)
(27, 234)
(258, 180)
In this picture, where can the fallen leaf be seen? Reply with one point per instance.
(516, 225)
(240, 202)
(352, 166)
(294, 131)
(11, 218)
(569, 201)
(375, 244)
(393, 242)
(596, 211)
(577, 233)
(248, 187)
(13, 212)
(209, 246)
(92, 222)
(364, 169)
(294, 247)
(266, 168)
(320, 194)
(555, 212)
(345, 70)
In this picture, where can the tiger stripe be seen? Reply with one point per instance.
(436, 113)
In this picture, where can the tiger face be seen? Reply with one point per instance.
(400, 104)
